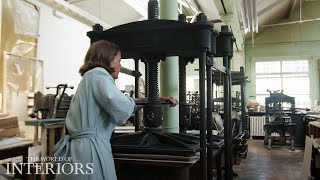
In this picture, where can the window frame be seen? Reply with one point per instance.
(282, 76)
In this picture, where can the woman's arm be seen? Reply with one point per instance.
(119, 106)
(173, 101)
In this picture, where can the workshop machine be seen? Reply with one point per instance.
(52, 106)
(279, 119)
(49, 113)
(152, 41)
(240, 132)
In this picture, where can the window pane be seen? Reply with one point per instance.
(302, 101)
(261, 99)
(291, 76)
(295, 66)
(296, 85)
(268, 67)
(263, 84)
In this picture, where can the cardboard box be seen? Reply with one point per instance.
(9, 126)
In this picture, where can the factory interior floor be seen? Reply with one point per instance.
(279, 163)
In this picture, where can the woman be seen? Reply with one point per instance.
(95, 109)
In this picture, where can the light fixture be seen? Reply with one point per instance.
(249, 15)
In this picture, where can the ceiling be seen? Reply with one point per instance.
(116, 12)
(124, 11)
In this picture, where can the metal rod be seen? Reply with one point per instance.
(203, 142)
(243, 107)
(247, 4)
(219, 176)
(243, 15)
(146, 79)
(130, 72)
(256, 19)
(182, 94)
(229, 114)
(292, 22)
(300, 10)
(209, 118)
(227, 120)
(252, 38)
(252, 15)
(292, 7)
(136, 94)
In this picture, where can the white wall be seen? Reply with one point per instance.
(127, 79)
(124, 79)
(62, 46)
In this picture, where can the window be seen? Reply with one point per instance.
(291, 76)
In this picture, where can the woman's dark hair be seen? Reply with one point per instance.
(100, 54)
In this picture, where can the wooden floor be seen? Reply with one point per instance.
(279, 163)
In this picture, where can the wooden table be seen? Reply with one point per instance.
(47, 126)
(14, 150)
(314, 130)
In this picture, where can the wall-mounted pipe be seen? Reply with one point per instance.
(246, 6)
(300, 10)
(249, 15)
(256, 19)
(243, 15)
(252, 15)
(292, 22)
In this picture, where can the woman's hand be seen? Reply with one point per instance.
(173, 102)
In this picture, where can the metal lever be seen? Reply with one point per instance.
(143, 103)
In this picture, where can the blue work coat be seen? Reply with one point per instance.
(97, 106)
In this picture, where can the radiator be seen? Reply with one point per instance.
(256, 126)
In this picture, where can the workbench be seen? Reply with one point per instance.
(49, 136)
(314, 130)
(47, 126)
(14, 150)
